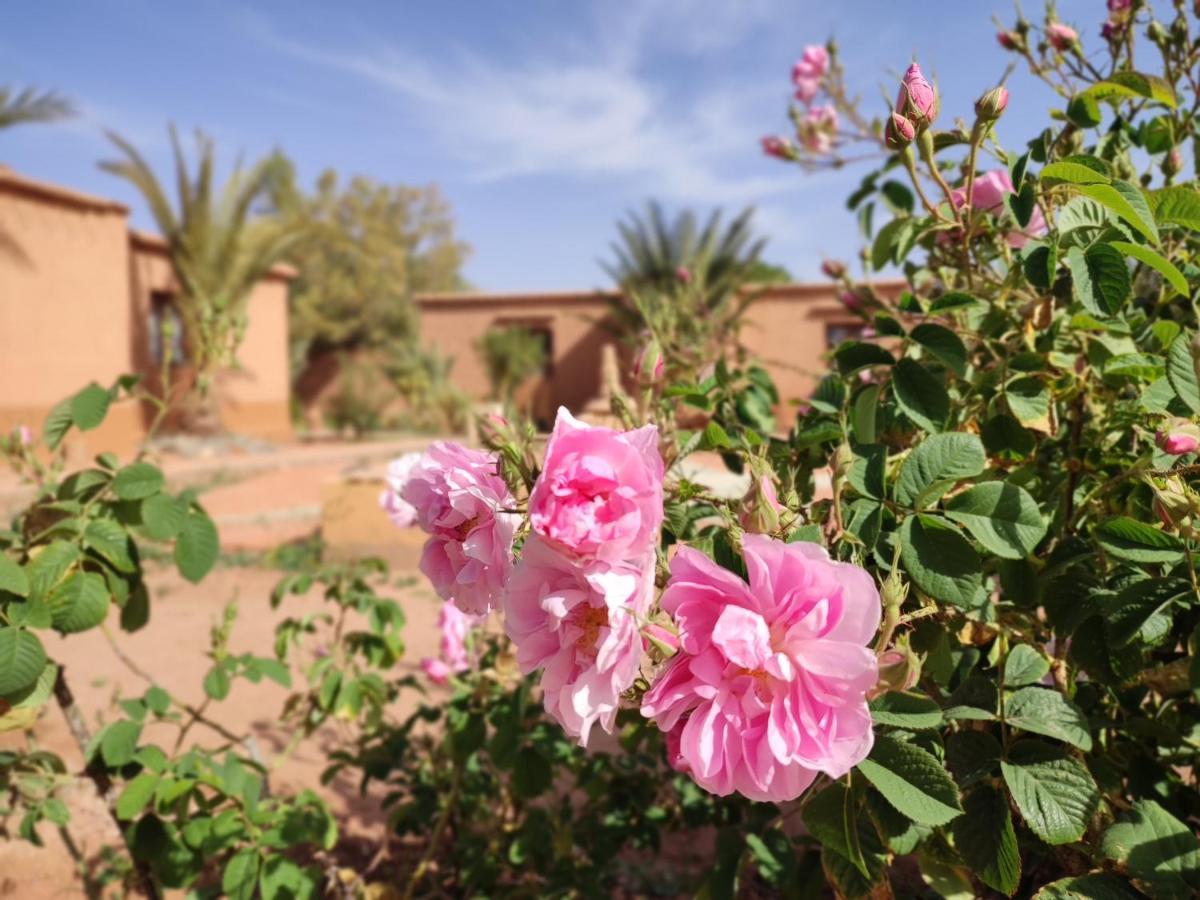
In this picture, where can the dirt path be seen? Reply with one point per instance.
(171, 649)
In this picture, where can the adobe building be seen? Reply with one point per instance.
(84, 298)
(788, 328)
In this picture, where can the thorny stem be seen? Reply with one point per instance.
(435, 835)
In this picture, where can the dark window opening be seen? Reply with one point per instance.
(540, 329)
(166, 329)
(837, 334)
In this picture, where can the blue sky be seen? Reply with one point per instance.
(541, 121)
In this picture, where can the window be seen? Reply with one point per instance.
(165, 324)
(837, 334)
(540, 328)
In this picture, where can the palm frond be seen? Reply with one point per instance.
(28, 106)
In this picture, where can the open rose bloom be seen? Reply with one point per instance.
(460, 500)
(580, 624)
(769, 686)
(600, 495)
(455, 626)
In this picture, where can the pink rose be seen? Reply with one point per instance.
(818, 128)
(772, 675)
(1178, 437)
(779, 147)
(402, 513)
(456, 625)
(989, 195)
(435, 670)
(917, 100)
(808, 72)
(600, 494)
(459, 498)
(579, 623)
(674, 748)
(1061, 37)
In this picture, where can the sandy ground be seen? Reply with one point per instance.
(171, 648)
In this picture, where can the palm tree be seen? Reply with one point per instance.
(219, 249)
(682, 284)
(22, 107)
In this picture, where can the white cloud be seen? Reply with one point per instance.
(587, 109)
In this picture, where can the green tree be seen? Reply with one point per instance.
(511, 356)
(28, 105)
(220, 247)
(364, 249)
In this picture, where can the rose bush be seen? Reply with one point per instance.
(944, 644)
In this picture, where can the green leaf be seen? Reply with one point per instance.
(889, 241)
(1088, 887)
(1135, 366)
(1157, 262)
(1136, 605)
(714, 437)
(1054, 792)
(954, 301)
(137, 794)
(12, 577)
(944, 344)
(1024, 665)
(1040, 263)
(936, 464)
(1181, 372)
(864, 414)
(1128, 202)
(79, 603)
(1041, 710)
(197, 546)
(832, 818)
(1123, 85)
(921, 395)
(901, 709)
(216, 682)
(282, 879)
(851, 356)
(985, 837)
(941, 562)
(1159, 851)
(22, 659)
(1176, 206)
(972, 756)
(912, 780)
(137, 481)
(1028, 400)
(163, 516)
(1100, 278)
(118, 743)
(89, 407)
(1001, 516)
(109, 539)
(48, 567)
(1134, 541)
(241, 874)
(1069, 172)
(58, 423)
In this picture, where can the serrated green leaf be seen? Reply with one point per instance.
(921, 395)
(109, 539)
(1054, 793)
(118, 743)
(1088, 887)
(12, 577)
(1159, 851)
(1100, 278)
(1024, 665)
(1179, 205)
(79, 603)
(912, 780)
(138, 793)
(903, 709)
(1127, 84)
(137, 481)
(1157, 262)
(1181, 372)
(936, 464)
(1128, 202)
(985, 837)
(1041, 710)
(940, 561)
(1127, 538)
(1001, 516)
(943, 344)
(1071, 172)
(22, 659)
(196, 547)
(89, 407)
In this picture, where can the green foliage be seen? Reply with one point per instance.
(511, 355)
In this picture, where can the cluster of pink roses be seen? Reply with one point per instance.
(766, 685)
(818, 126)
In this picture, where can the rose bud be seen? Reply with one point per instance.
(850, 300)
(1061, 37)
(899, 670)
(1009, 40)
(1172, 163)
(1179, 437)
(779, 147)
(684, 274)
(660, 638)
(761, 507)
(991, 105)
(917, 101)
(1156, 31)
(899, 133)
(831, 268)
(649, 365)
